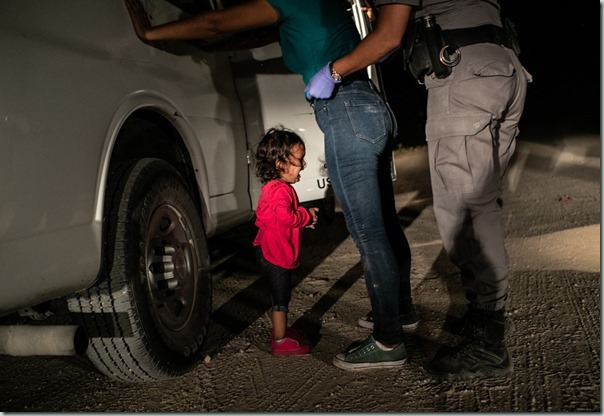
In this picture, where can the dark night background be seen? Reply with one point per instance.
(560, 48)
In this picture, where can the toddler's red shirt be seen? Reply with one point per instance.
(280, 220)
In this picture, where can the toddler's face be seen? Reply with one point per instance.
(291, 171)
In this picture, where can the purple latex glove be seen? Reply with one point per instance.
(321, 85)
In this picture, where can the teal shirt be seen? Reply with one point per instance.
(313, 33)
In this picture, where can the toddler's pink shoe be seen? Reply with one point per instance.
(288, 346)
(293, 333)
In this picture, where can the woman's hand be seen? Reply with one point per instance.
(369, 12)
(139, 17)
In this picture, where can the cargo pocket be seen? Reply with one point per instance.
(462, 152)
(492, 68)
(451, 126)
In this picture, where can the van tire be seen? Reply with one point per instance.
(147, 316)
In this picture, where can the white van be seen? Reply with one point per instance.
(118, 160)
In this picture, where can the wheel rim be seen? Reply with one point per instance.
(171, 268)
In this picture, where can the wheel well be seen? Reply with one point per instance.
(148, 134)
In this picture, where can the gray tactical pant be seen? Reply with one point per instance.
(473, 117)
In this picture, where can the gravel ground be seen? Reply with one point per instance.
(552, 215)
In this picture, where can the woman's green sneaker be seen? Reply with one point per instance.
(368, 355)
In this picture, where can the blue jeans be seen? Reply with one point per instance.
(358, 128)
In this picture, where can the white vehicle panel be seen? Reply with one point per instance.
(71, 75)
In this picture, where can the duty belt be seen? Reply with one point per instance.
(473, 35)
(431, 50)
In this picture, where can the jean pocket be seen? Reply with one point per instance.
(369, 119)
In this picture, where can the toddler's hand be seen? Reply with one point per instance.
(314, 216)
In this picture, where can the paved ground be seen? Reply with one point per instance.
(552, 214)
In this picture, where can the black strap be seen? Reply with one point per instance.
(473, 35)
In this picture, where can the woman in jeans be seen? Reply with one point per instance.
(358, 128)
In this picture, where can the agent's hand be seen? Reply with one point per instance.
(313, 213)
(321, 85)
(139, 17)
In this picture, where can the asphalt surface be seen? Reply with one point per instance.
(552, 214)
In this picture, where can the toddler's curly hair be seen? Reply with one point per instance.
(275, 146)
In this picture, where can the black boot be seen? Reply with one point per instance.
(483, 352)
(463, 326)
